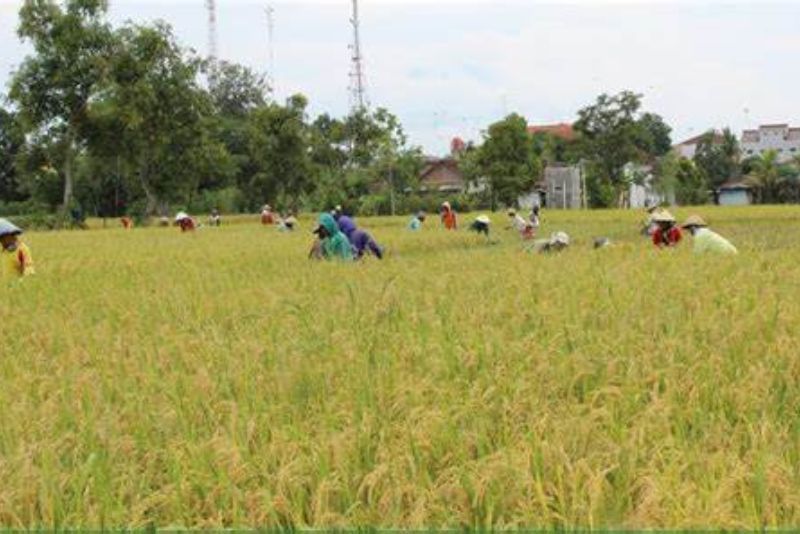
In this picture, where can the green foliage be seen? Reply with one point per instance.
(613, 133)
(506, 162)
(692, 188)
(766, 177)
(235, 90)
(278, 144)
(717, 157)
(12, 140)
(600, 193)
(53, 88)
(167, 118)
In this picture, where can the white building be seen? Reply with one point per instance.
(687, 149)
(779, 137)
(642, 191)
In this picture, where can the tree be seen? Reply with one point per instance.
(237, 90)
(279, 145)
(11, 142)
(691, 187)
(506, 161)
(654, 140)
(168, 130)
(717, 156)
(613, 134)
(54, 87)
(766, 176)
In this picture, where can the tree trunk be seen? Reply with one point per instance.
(68, 156)
(152, 200)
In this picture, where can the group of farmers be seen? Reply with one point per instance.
(338, 236)
(663, 228)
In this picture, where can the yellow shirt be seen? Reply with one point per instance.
(16, 263)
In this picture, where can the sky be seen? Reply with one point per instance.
(451, 67)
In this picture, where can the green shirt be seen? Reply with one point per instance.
(707, 241)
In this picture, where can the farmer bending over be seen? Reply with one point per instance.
(16, 258)
(557, 242)
(363, 243)
(449, 219)
(186, 223)
(666, 234)
(518, 223)
(416, 221)
(267, 217)
(332, 243)
(346, 224)
(481, 225)
(706, 240)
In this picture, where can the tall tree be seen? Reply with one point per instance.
(53, 88)
(766, 176)
(11, 142)
(279, 145)
(691, 188)
(613, 133)
(717, 156)
(506, 161)
(237, 90)
(168, 127)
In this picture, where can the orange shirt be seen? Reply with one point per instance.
(449, 219)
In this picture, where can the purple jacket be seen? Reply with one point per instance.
(362, 242)
(347, 226)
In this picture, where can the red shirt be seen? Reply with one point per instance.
(667, 238)
(187, 225)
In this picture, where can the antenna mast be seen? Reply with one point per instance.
(212, 30)
(271, 48)
(357, 83)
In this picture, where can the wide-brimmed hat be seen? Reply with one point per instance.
(181, 216)
(663, 216)
(512, 212)
(446, 204)
(9, 228)
(483, 219)
(560, 237)
(694, 220)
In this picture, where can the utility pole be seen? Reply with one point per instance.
(357, 83)
(271, 44)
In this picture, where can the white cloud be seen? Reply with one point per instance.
(450, 67)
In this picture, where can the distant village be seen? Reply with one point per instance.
(562, 185)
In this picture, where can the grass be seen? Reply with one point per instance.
(222, 380)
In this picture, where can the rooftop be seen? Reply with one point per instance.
(561, 130)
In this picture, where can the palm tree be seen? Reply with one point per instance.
(766, 177)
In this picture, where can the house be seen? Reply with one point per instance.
(563, 187)
(642, 191)
(779, 137)
(687, 149)
(441, 175)
(734, 193)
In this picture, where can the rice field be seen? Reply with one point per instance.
(220, 379)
